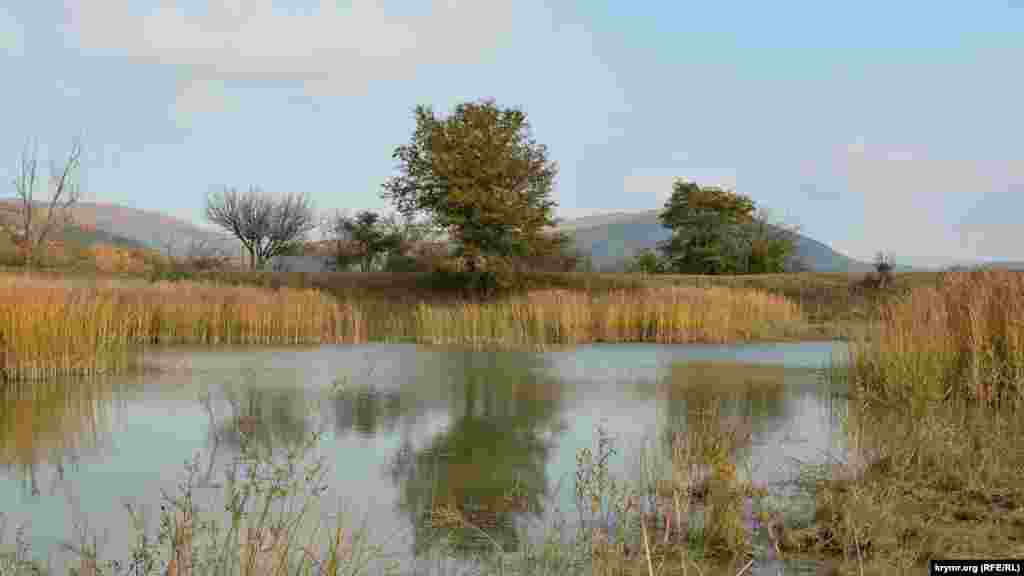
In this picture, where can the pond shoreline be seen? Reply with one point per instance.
(937, 505)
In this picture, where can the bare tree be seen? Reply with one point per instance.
(266, 225)
(55, 212)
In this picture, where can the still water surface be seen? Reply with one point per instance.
(412, 425)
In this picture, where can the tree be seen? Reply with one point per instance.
(39, 220)
(266, 225)
(884, 265)
(770, 246)
(481, 177)
(418, 247)
(363, 239)
(645, 262)
(717, 231)
(710, 233)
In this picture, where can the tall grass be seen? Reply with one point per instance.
(665, 315)
(937, 442)
(57, 327)
(962, 340)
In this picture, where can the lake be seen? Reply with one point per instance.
(404, 426)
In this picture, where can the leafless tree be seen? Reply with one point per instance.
(55, 212)
(266, 225)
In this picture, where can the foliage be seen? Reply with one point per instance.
(362, 239)
(266, 225)
(718, 231)
(556, 253)
(646, 262)
(704, 223)
(479, 176)
(769, 248)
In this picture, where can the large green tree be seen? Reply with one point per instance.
(706, 223)
(718, 231)
(480, 176)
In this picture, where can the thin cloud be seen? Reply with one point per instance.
(910, 198)
(334, 49)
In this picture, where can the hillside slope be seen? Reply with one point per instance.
(611, 239)
(615, 238)
(151, 229)
(82, 233)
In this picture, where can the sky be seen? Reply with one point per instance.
(892, 126)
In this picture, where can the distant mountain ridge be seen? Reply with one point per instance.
(152, 229)
(613, 239)
(101, 223)
(79, 233)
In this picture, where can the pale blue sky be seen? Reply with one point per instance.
(872, 125)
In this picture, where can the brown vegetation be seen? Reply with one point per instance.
(50, 327)
(666, 315)
(937, 439)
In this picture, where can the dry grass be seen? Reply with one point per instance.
(59, 327)
(835, 305)
(109, 258)
(937, 439)
(962, 340)
(665, 315)
(942, 485)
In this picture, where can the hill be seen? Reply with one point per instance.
(150, 229)
(612, 239)
(82, 233)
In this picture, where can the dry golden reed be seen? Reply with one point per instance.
(960, 340)
(60, 327)
(670, 315)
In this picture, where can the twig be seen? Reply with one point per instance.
(647, 547)
(744, 569)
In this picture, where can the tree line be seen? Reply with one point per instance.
(472, 203)
(477, 180)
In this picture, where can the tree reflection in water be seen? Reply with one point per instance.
(750, 393)
(274, 419)
(489, 465)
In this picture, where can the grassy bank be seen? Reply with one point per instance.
(51, 327)
(937, 434)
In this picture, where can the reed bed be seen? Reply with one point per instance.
(50, 328)
(935, 434)
(962, 339)
(669, 315)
